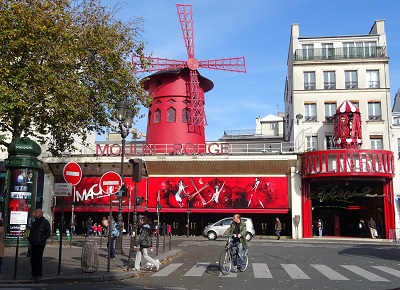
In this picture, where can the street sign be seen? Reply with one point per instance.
(72, 173)
(110, 182)
(62, 189)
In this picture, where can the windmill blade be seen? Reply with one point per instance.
(155, 63)
(234, 64)
(186, 19)
(197, 114)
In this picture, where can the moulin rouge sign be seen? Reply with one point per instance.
(173, 149)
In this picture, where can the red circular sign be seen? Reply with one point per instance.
(72, 173)
(110, 182)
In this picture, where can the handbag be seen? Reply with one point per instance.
(375, 233)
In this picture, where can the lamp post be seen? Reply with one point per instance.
(125, 119)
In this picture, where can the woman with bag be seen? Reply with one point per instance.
(144, 242)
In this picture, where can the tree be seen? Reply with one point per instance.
(63, 67)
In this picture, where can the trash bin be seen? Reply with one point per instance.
(89, 257)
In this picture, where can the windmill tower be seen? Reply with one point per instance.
(176, 114)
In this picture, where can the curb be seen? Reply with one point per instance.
(93, 277)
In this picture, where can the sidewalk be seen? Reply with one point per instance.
(71, 270)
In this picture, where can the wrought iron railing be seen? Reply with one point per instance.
(340, 53)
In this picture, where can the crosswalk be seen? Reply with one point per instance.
(293, 271)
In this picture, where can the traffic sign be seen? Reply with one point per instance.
(72, 173)
(110, 182)
(62, 189)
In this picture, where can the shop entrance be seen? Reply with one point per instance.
(342, 204)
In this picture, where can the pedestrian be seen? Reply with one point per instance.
(114, 235)
(379, 227)
(1, 244)
(363, 229)
(104, 222)
(320, 227)
(143, 243)
(95, 229)
(40, 232)
(100, 230)
(88, 226)
(31, 219)
(72, 225)
(278, 228)
(372, 228)
(169, 230)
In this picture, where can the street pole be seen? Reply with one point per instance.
(188, 213)
(118, 244)
(135, 221)
(125, 118)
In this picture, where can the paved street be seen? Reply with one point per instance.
(285, 264)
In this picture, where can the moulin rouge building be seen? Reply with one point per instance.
(332, 161)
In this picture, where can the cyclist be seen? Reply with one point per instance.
(237, 230)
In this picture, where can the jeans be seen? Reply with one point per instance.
(236, 246)
(112, 250)
(146, 256)
(320, 231)
(278, 234)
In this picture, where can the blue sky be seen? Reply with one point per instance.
(259, 30)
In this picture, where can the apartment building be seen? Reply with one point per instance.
(341, 184)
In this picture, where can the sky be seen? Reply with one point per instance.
(259, 30)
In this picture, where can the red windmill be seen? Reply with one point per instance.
(176, 114)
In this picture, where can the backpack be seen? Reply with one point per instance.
(115, 232)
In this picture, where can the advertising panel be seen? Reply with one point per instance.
(208, 193)
(20, 199)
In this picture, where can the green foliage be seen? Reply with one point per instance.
(63, 67)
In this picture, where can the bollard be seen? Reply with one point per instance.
(68, 234)
(58, 234)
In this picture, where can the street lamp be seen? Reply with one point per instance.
(125, 119)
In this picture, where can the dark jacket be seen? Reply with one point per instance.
(145, 240)
(242, 232)
(40, 232)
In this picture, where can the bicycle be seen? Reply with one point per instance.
(226, 259)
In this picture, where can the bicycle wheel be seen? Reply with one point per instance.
(225, 263)
(245, 261)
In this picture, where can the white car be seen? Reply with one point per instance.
(218, 229)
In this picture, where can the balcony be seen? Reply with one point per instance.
(375, 118)
(341, 53)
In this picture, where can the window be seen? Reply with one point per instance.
(327, 51)
(359, 49)
(374, 111)
(329, 80)
(351, 79)
(157, 116)
(348, 49)
(376, 142)
(330, 142)
(307, 51)
(370, 49)
(309, 80)
(398, 148)
(311, 143)
(171, 115)
(185, 115)
(310, 112)
(273, 126)
(330, 110)
(372, 79)
(355, 103)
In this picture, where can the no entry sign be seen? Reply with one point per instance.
(72, 173)
(110, 182)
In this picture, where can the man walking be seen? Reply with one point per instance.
(40, 232)
(278, 228)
